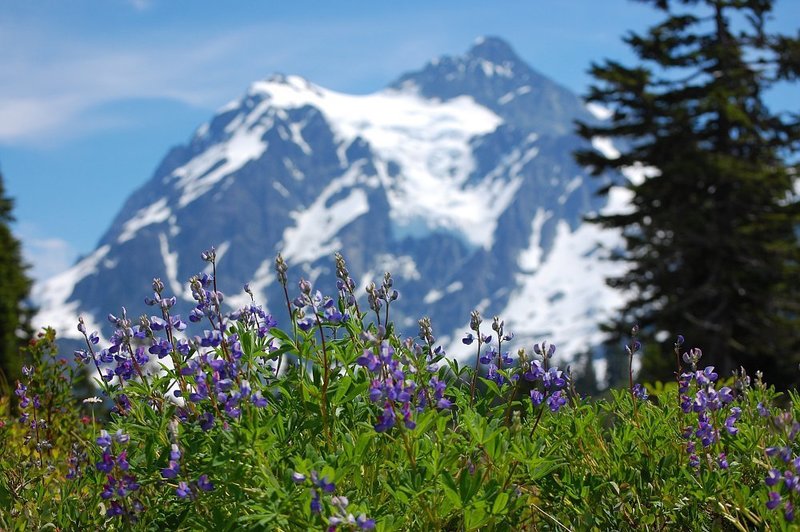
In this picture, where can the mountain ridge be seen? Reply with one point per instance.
(462, 197)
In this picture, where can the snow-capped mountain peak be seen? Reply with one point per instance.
(459, 178)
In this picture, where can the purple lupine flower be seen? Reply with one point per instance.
(492, 373)
(122, 461)
(407, 420)
(257, 400)
(183, 490)
(298, 478)
(211, 338)
(553, 379)
(706, 433)
(774, 499)
(108, 488)
(323, 483)
(81, 356)
(160, 347)
(443, 404)
(771, 451)
(707, 375)
(172, 471)
(556, 401)
(534, 371)
(196, 314)
(731, 419)
(365, 524)
(725, 395)
(104, 440)
(204, 483)
(693, 356)
(121, 437)
(206, 421)
(640, 392)
(114, 509)
(106, 463)
(788, 511)
(772, 477)
(700, 402)
(386, 420)
(340, 501)
(123, 404)
(686, 404)
(785, 454)
(536, 397)
(316, 505)
(722, 460)
(369, 361)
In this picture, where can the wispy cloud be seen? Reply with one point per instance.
(140, 5)
(53, 87)
(46, 256)
(58, 80)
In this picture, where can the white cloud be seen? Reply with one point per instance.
(46, 256)
(140, 5)
(52, 88)
(59, 80)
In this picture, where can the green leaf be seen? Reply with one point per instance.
(475, 517)
(342, 385)
(450, 489)
(500, 503)
(468, 486)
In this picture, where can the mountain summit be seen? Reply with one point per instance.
(458, 179)
(493, 74)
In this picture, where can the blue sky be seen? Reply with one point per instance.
(94, 92)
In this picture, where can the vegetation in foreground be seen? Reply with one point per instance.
(335, 422)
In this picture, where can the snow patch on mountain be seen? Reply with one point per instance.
(156, 213)
(531, 257)
(507, 97)
(493, 69)
(605, 146)
(400, 266)
(52, 297)
(567, 296)
(636, 173)
(599, 112)
(428, 139)
(262, 278)
(201, 173)
(313, 233)
(171, 267)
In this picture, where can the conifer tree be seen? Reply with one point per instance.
(15, 311)
(712, 236)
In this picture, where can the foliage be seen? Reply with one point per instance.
(711, 239)
(335, 422)
(15, 311)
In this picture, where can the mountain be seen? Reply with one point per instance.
(457, 178)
